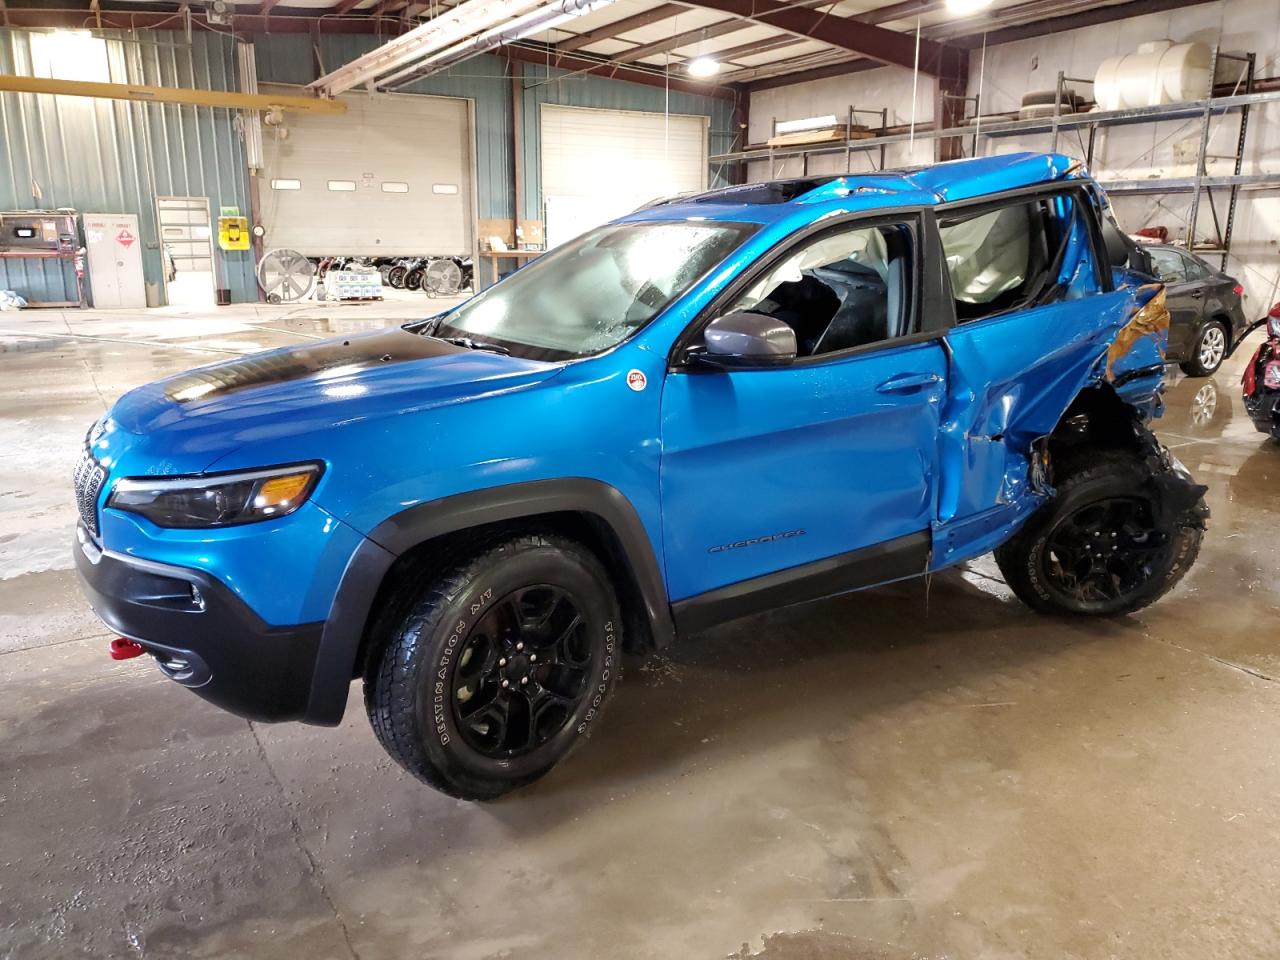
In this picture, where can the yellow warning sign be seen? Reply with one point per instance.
(233, 233)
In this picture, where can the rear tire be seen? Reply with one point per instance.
(494, 670)
(1100, 547)
(1208, 351)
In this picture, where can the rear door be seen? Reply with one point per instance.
(1221, 298)
(1035, 310)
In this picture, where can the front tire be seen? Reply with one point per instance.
(1209, 350)
(1105, 544)
(492, 672)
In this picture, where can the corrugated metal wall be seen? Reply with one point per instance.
(547, 85)
(107, 156)
(290, 58)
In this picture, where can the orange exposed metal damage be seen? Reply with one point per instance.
(1148, 320)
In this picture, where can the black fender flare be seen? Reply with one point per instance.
(388, 541)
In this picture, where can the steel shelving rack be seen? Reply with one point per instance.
(1201, 183)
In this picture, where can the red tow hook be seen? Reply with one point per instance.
(122, 649)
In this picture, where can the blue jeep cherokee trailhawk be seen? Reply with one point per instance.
(717, 405)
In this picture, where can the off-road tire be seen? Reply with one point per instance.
(1096, 477)
(1192, 366)
(409, 678)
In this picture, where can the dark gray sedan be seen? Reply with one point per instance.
(1206, 314)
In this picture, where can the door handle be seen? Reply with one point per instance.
(907, 382)
(1196, 294)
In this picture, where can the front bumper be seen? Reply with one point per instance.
(201, 634)
(1264, 410)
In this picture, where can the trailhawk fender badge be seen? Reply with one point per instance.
(636, 380)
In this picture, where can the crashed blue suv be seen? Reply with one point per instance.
(718, 405)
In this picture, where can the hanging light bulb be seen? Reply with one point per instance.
(703, 67)
(965, 7)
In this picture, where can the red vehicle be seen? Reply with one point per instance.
(1262, 379)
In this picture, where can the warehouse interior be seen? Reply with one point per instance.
(926, 768)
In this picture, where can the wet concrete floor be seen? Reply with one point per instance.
(902, 773)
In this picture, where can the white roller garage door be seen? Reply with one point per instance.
(390, 177)
(601, 164)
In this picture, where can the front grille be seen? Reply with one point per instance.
(88, 479)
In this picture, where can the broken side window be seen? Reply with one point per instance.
(1170, 266)
(1024, 254)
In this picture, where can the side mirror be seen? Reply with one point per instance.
(743, 340)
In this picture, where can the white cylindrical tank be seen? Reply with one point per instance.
(1161, 71)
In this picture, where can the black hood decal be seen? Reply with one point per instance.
(352, 354)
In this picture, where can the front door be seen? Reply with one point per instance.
(818, 476)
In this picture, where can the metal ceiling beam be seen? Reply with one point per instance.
(458, 34)
(538, 20)
(343, 6)
(718, 29)
(968, 35)
(1046, 23)
(755, 48)
(246, 24)
(188, 97)
(805, 74)
(901, 11)
(679, 40)
(619, 27)
(617, 71)
(869, 40)
(411, 8)
(837, 60)
(907, 8)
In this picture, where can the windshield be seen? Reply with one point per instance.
(594, 292)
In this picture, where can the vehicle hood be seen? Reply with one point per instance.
(190, 420)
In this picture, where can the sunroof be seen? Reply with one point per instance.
(772, 191)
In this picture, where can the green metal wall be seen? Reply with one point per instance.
(289, 58)
(108, 156)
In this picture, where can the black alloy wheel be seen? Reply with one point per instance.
(522, 673)
(489, 669)
(1105, 550)
(1117, 534)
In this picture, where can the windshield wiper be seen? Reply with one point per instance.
(476, 345)
(426, 326)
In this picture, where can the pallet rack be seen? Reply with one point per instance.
(1206, 110)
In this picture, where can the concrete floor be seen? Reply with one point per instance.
(900, 773)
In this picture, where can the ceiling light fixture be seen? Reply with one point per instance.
(703, 67)
(964, 8)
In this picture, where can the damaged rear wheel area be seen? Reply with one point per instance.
(1122, 529)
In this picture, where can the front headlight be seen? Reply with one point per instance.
(217, 500)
